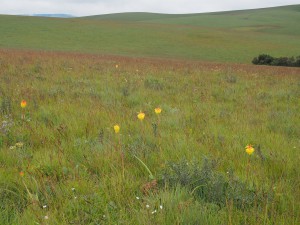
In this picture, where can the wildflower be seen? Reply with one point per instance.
(138, 198)
(21, 174)
(157, 110)
(249, 149)
(161, 207)
(19, 144)
(44, 206)
(141, 116)
(46, 217)
(23, 104)
(117, 66)
(12, 147)
(147, 206)
(117, 128)
(154, 211)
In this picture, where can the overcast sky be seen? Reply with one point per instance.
(94, 7)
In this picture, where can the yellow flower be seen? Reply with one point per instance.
(21, 174)
(23, 104)
(19, 144)
(157, 110)
(141, 116)
(249, 149)
(117, 128)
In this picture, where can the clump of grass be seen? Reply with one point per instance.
(153, 84)
(13, 201)
(206, 183)
(6, 106)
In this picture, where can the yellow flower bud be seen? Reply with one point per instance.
(249, 149)
(141, 116)
(157, 110)
(23, 104)
(117, 128)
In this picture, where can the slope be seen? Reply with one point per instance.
(208, 37)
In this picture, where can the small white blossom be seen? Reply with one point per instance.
(147, 206)
(154, 212)
(161, 207)
(44, 206)
(137, 197)
(46, 217)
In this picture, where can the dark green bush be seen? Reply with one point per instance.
(265, 59)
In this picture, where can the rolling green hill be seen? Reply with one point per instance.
(282, 19)
(235, 36)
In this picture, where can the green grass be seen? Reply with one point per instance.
(209, 110)
(276, 20)
(236, 36)
(186, 166)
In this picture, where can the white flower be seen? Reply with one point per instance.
(161, 207)
(75, 197)
(12, 147)
(154, 211)
(137, 197)
(46, 217)
(147, 206)
(44, 206)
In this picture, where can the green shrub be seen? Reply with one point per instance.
(265, 59)
(207, 184)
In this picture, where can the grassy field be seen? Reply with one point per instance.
(236, 36)
(277, 20)
(78, 154)
(62, 163)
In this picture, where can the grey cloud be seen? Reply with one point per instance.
(93, 7)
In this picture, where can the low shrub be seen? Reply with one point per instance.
(206, 183)
(265, 59)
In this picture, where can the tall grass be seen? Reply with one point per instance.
(73, 172)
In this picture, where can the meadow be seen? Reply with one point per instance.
(62, 161)
(235, 36)
(143, 118)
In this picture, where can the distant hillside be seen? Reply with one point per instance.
(235, 36)
(283, 19)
